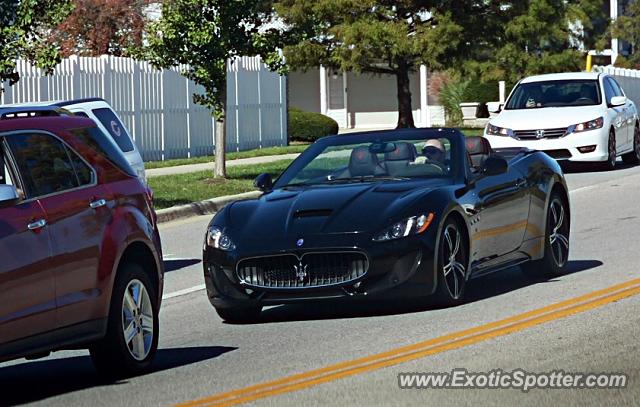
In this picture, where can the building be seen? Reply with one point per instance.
(362, 101)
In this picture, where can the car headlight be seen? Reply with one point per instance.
(217, 239)
(498, 131)
(590, 125)
(410, 226)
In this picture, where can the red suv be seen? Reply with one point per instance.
(80, 255)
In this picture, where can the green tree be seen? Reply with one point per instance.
(24, 29)
(627, 28)
(540, 36)
(372, 36)
(205, 35)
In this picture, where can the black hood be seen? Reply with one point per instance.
(327, 209)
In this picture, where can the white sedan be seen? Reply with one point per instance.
(571, 116)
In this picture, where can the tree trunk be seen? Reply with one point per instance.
(405, 113)
(221, 167)
(221, 138)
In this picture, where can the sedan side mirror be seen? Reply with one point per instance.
(618, 101)
(263, 182)
(495, 165)
(8, 195)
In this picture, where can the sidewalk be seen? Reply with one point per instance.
(185, 169)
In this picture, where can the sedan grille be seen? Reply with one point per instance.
(309, 270)
(540, 134)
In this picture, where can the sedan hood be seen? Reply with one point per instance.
(546, 117)
(327, 209)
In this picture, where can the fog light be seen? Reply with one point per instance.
(587, 149)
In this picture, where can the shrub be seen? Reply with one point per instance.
(451, 95)
(309, 126)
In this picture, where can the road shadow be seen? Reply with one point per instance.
(173, 265)
(584, 167)
(38, 380)
(481, 288)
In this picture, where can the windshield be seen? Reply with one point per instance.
(563, 93)
(340, 160)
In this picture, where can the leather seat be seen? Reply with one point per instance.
(364, 163)
(397, 160)
(479, 149)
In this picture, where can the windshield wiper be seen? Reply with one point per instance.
(366, 178)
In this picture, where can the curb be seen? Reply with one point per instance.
(207, 207)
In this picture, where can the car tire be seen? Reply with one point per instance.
(452, 264)
(610, 163)
(633, 157)
(556, 241)
(239, 315)
(134, 303)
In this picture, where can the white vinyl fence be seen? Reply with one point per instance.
(157, 105)
(629, 79)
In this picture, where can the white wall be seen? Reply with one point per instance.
(157, 105)
(371, 99)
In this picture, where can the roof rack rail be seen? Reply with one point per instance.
(32, 111)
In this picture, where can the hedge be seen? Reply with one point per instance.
(309, 126)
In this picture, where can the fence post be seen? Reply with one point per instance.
(76, 87)
(136, 105)
(105, 66)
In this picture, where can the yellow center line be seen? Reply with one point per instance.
(425, 348)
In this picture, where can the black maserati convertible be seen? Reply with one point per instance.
(414, 212)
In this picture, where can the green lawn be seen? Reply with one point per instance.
(172, 190)
(260, 152)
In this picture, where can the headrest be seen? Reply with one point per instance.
(404, 152)
(477, 145)
(362, 162)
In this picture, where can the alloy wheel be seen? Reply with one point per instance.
(137, 320)
(454, 270)
(612, 150)
(558, 238)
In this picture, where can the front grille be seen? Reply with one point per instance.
(309, 270)
(540, 133)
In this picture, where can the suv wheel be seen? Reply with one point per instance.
(132, 332)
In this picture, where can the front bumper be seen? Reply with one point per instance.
(403, 267)
(563, 148)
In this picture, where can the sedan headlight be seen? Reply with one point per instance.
(217, 239)
(410, 226)
(590, 125)
(498, 131)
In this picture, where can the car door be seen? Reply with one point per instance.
(27, 287)
(502, 210)
(617, 115)
(628, 113)
(77, 209)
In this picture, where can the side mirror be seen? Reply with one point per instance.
(263, 182)
(8, 195)
(495, 165)
(494, 107)
(618, 101)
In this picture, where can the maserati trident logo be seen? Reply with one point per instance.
(301, 271)
(539, 134)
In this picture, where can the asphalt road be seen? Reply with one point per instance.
(201, 357)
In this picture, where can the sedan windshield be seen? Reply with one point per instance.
(357, 159)
(562, 93)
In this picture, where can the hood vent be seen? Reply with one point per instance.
(312, 213)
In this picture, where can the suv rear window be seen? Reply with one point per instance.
(115, 128)
(96, 139)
